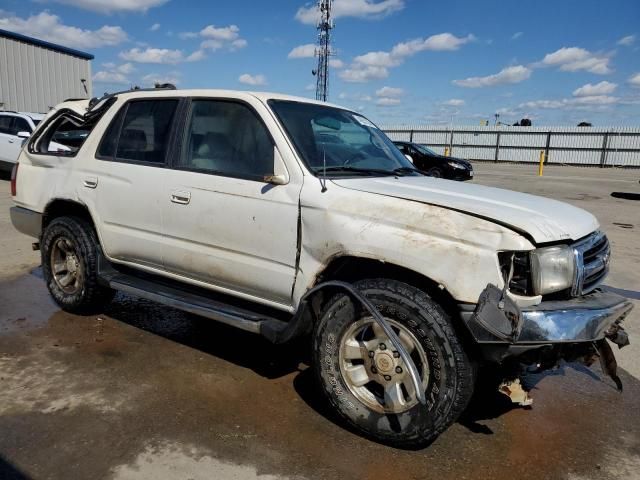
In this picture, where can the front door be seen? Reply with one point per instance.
(10, 143)
(224, 224)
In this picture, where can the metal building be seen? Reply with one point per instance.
(36, 75)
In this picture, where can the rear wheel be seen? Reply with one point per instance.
(366, 381)
(70, 252)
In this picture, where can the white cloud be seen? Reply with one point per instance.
(360, 74)
(454, 102)
(169, 77)
(389, 92)
(153, 55)
(216, 38)
(303, 51)
(48, 27)
(375, 65)
(508, 75)
(573, 59)
(336, 63)
(627, 41)
(110, 6)
(516, 35)
(634, 80)
(589, 90)
(154, 27)
(104, 76)
(350, 8)
(387, 102)
(571, 103)
(196, 56)
(255, 80)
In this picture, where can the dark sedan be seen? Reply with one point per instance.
(436, 165)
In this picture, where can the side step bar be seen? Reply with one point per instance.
(193, 303)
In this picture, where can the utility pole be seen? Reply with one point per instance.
(323, 51)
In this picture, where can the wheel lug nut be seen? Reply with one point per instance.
(387, 377)
(382, 346)
(396, 355)
(398, 370)
(374, 370)
(371, 354)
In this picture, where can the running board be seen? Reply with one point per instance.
(193, 303)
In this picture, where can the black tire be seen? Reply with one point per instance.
(81, 238)
(451, 372)
(435, 172)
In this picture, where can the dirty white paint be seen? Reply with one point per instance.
(171, 461)
(240, 237)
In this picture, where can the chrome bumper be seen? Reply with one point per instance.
(583, 319)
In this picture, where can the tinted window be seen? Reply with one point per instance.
(20, 125)
(5, 124)
(145, 131)
(110, 139)
(227, 138)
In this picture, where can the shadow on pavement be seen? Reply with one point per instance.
(10, 472)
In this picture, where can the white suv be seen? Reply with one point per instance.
(14, 128)
(234, 206)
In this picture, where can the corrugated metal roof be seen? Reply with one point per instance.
(41, 43)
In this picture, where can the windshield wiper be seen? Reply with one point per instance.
(349, 168)
(406, 170)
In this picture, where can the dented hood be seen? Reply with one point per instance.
(542, 219)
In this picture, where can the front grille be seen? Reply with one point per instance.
(592, 263)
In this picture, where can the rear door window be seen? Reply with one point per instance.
(144, 134)
(5, 124)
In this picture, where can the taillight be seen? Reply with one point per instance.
(14, 177)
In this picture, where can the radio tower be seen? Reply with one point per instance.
(324, 50)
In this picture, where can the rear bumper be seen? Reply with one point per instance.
(26, 221)
(583, 319)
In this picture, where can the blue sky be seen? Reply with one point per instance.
(398, 61)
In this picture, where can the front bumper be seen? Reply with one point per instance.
(583, 319)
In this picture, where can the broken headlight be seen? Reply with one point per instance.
(552, 269)
(520, 281)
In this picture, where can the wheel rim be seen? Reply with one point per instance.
(434, 172)
(66, 268)
(374, 372)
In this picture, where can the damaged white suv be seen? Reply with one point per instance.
(288, 218)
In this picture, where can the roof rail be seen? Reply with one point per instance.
(158, 86)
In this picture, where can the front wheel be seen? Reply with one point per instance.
(366, 381)
(435, 172)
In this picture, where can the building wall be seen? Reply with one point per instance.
(34, 79)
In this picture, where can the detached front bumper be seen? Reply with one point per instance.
(583, 319)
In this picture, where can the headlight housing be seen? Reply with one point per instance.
(552, 269)
(456, 165)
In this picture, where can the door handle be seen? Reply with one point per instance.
(183, 198)
(11, 140)
(91, 182)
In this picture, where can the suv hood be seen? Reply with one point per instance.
(540, 218)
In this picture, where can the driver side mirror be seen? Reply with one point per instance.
(409, 157)
(23, 134)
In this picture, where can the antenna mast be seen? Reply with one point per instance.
(324, 50)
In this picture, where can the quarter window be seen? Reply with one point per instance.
(144, 135)
(227, 138)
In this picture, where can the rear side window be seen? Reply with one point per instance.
(5, 124)
(144, 133)
(62, 136)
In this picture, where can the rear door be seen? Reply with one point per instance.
(124, 182)
(10, 143)
(225, 225)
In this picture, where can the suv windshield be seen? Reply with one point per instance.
(339, 142)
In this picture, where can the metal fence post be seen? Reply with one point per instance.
(497, 147)
(411, 135)
(546, 148)
(451, 142)
(603, 155)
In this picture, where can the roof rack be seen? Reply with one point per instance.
(158, 86)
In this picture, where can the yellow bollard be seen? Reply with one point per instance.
(541, 167)
(446, 151)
